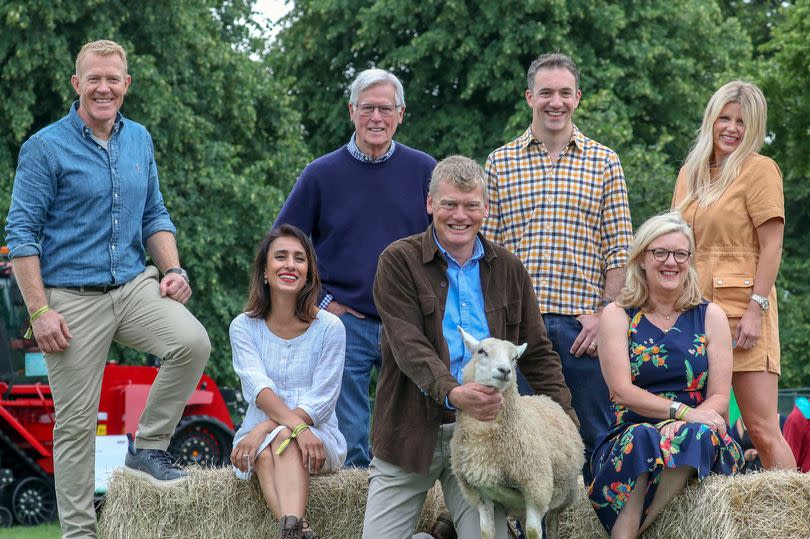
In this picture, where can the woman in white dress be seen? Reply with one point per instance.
(289, 356)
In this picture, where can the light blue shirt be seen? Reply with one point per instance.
(464, 307)
(86, 210)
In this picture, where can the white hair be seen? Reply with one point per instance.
(372, 77)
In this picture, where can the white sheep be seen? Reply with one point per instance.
(527, 459)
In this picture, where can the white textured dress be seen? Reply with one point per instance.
(305, 372)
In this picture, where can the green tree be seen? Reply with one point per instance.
(648, 69)
(228, 142)
(786, 65)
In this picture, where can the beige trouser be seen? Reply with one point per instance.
(395, 497)
(134, 315)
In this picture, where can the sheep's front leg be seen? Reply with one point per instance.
(486, 514)
(534, 521)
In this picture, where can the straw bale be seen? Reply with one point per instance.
(215, 503)
(765, 505)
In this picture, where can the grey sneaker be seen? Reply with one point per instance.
(156, 466)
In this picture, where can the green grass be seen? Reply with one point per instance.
(46, 531)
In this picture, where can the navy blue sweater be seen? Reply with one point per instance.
(353, 211)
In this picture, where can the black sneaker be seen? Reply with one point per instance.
(156, 466)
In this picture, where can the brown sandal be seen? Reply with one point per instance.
(308, 533)
(291, 527)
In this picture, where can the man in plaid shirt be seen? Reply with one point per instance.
(558, 200)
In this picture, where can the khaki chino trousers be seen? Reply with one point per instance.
(136, 316)
(396, 496)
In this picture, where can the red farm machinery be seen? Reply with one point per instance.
(203, 436)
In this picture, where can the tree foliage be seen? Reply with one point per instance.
(647, 67)
(785, 62)
(228, 143)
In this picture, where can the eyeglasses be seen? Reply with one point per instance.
(385, 110)
(662, 255)
(469, 207)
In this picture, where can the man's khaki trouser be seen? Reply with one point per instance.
(395, 497)
(134, 315)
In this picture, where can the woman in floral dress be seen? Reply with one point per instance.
(666, 357)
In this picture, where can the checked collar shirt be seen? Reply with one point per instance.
(568, 221)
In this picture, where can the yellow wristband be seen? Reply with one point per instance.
(681, 413)
(39, 312)
(296, 431)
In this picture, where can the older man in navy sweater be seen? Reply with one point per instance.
(354, 202)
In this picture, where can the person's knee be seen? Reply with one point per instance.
(75, 428)
(194, 347)
(763, 433)
(264, 459)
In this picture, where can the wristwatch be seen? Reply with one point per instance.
(763, 302)
(179, 271)
(673, 408)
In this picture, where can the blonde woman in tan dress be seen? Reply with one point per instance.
(732, 197)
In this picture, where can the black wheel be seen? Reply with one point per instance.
(33, 501)
(199, 444)
(6, 520)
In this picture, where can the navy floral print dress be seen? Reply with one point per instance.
(674, 365)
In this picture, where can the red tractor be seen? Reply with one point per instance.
(203, 436)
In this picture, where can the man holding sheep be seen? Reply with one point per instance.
(426, 287)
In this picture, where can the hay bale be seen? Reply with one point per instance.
(765, 505)
(215, 503)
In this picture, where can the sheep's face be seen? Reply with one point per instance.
(493, 361)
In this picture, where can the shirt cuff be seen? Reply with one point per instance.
(327, 299)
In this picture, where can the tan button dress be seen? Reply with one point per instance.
(727, 251)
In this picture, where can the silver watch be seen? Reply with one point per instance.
(673, 409)
(762, 302)
(179, 271)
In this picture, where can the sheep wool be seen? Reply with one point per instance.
(528, 459)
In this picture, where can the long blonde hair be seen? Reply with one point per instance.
(636, 291)
(699, 184)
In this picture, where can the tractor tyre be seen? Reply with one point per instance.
(33, 501)
(6, 519)
(200, 443)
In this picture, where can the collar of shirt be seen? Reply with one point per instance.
(528, 138)
(464, 307)
(86, 130)
(358, 154)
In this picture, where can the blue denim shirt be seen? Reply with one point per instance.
(464, 307)
(86, 211)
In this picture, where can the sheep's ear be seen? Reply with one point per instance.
(469, 340)
(519, 350)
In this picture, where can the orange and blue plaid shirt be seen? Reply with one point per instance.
(568, 221)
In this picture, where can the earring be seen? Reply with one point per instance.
(643, 267)
(265, 279)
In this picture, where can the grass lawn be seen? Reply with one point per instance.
(46, 531)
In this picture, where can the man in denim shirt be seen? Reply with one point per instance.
(86, 201)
